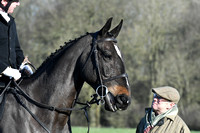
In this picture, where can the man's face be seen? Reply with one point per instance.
(161, 105)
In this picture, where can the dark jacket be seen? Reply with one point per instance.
(10, 51)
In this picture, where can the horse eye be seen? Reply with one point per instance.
(107, 54)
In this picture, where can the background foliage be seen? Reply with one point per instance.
(160, 42)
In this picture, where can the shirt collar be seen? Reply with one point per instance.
(5, 15)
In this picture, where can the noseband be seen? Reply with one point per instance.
(101, 80)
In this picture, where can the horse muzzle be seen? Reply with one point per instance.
(120, 102)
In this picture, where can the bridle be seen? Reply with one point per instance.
(102, 81)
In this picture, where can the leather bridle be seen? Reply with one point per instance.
(102, 81)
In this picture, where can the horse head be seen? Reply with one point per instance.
(105, 68)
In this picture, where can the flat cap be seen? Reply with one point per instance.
(168, 93)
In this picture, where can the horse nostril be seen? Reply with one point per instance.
(123, 99)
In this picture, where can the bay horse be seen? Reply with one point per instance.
(93, 58)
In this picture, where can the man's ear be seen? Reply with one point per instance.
(170, 105)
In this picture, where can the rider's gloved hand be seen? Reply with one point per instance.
(12, 73)
(26, 69)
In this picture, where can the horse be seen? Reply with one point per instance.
(93, 58)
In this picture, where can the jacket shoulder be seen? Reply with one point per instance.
(181, 124)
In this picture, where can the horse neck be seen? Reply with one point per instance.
(57, 84)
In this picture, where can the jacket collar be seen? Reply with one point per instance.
(172, 117)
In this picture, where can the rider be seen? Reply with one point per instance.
(11, 56)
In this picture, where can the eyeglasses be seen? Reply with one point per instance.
(159, 98)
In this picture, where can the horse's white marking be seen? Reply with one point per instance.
(118, 51)
(120, 55)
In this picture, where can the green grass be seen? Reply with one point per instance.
(107, 130)
(102, 130)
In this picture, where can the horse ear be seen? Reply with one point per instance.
(106, 27)
(117, 29)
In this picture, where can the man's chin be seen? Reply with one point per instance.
(154, 106)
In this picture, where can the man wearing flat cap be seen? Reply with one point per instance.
(163, 117)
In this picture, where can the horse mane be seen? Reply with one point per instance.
(49, 62)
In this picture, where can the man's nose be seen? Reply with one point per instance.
(155, 100)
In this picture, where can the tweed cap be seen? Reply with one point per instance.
(168, 93)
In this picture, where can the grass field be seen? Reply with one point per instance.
(107, 130)
(102, 130)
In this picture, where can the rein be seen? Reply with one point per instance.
(17, 91)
